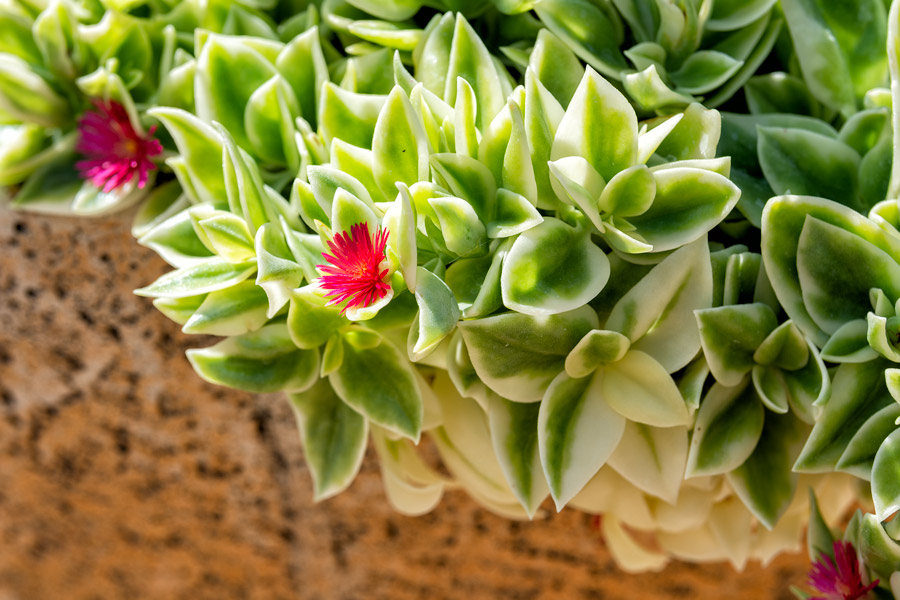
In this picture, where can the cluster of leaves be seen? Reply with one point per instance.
(602, 289)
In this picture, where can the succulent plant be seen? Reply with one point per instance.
(582, 281)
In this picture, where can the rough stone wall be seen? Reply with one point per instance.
(124, 476)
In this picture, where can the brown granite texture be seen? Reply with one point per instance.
(124, 476)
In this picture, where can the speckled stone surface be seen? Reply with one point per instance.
(124, 476)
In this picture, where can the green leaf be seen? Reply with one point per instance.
(577, 433)
(552, 268)
(849, 344)
(379, 383)
(302, 63)
(263, 361)
(269, 122)
(514, 433)
(728, 15)
(588, 30)
(704, 71)
(886, 477)
(783, 221)
(796, 161)
(384, 33)
(310, 320)
(836, 269)
(232, 311)
(764, 482)
(197, 142)
(598, 106)
(333, 437)
(202, 277)
(689, 202)
(650, 92)
(652, 458)
(220, 94)
(727, 429)
(555, 66)
(779, 93)
(399, 147)
(653, 313)
(518, 355)
(515, 214)
(25, 96)
(858, 392)
(463, 233)
(640, 389)
(819, 538)
(597, 348)
(470, 59)
(438, 314)
(882, 335)
(730, 336)
(629, 192)
(859, 456)
(879, 552)
(325, 181)
(179, 309)
(225, 234)
(176, 241)
(693, 137)
(468, 179)
(278, 272)
(823, 65)
(348, 116)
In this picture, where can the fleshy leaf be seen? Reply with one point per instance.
(232, 311)
(654, 312)
(587, 30)
(392, 399)
(333, 437)
(514, 433)
(730, 335)
(262, 361)
(886, 477)
(858, 392)
(796, 161)
(399, 146)
(764, 482)
(652, 458)
(597, 348)
(640, 389)
(836, 269)
(728, 428)
(577, 433)
(518, 355)
(552, 268)
(860, 454)
(310, 321)
(438, 314)
(598, 106)
(689, 202)
(200, 278)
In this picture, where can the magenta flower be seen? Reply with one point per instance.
(114, 152)
(839, 579)
(355, 273)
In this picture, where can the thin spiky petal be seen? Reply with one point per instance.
(841, 578)
(114, 152)
(355, 274)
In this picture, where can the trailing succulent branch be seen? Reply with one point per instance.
(641, 257)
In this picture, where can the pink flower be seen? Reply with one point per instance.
(355, 273)
(114, 152)
(839, 579)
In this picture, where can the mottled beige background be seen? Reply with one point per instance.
(124, 476)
